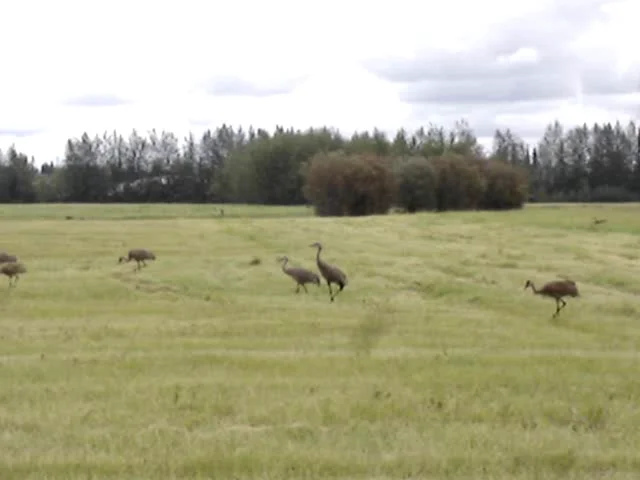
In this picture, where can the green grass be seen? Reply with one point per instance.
(432, 363)
(158, 211)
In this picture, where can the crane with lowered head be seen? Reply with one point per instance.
(139, 255)
(331, 273)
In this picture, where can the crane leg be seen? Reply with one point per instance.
(298, 288)
(564, 304)
(340, 288)
(330, 291)
(305, 288)
(560, 304)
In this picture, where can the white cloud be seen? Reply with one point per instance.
(159, 60)
(522, 55)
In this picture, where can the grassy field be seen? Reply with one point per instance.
(432, 363)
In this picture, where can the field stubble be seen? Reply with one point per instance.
(432, 363)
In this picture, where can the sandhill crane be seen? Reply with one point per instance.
(13, 270)
(7, 258)
(556, 289)
(302, 276)
(139, 255)
(331, 273)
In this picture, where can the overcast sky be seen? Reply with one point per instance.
(68, 67)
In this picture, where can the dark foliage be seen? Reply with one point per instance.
(430, 169)
(340, 184)
(416, 184)
(506, 186)
(460, 184)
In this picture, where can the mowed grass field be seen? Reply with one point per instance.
(432, 363)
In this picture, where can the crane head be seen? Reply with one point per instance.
(283, 258)
(316, 245)
(528, 284)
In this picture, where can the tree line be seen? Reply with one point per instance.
(430, 169)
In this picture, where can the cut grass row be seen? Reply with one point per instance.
(434, 362)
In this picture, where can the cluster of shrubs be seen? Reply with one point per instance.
(340, 184)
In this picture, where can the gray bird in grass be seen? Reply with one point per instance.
(7, 258)
(13, 270)
(331, 273)
(556, 289)
(139, 255)
(302, 276)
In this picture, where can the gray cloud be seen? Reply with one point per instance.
(598, 79)
(229, 85)
(199, 122)
(525, 127)
(19, 132)
(523, 88)
(551, 29)
(482, 84)
(484, 78)
(627, 104)
(96, 100)
(484, 121)
(549, 32)
(526, 119)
